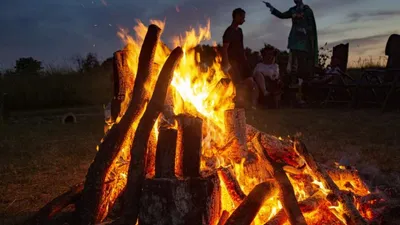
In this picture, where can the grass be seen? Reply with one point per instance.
(41, 160)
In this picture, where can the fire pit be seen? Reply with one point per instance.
(179, 152)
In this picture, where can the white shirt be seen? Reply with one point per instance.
(267, 70)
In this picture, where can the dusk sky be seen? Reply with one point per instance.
(55, 31)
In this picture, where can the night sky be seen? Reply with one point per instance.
(55, 31)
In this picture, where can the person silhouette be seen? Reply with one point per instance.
(302, 41)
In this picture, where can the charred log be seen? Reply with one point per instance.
(350, 212)
(232, 185)
(165, 153)
(45, 214)
(189, 145)
(287, 195)
(248, 209)
(224, 217)
(177, 202)
(138, 153)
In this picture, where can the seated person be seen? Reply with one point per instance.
(331, 75)
(266, 75)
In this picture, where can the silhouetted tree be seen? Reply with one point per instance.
(88, 63)
(28, 65)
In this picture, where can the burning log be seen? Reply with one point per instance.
(224, 217)
(348, 178)
(232, 185)
(278, 149)
(308, 205)
(350, 212)
(235, 126)
(248, 209)
(166, 153)
(103, 184)
(46, 213)
(287, 195)
(189, 145)
(194, 200)
(138, 152)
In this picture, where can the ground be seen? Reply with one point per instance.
(39, 161)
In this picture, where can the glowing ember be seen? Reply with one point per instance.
(199, 93)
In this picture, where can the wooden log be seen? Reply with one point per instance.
(308, 205)
(47, 212)
(106, 177)
(248, 209)
(232, 185)
(343, 177)
(279, 149)
(194, 201)
(165, 154)
(286, 194)
(235, 127)
(189, 145)
(350, 212)
(123, 80)
(224, 217)
(138, 153)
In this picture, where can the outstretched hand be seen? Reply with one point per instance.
(267, 4)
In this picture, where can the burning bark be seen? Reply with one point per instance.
(139, 147)
(103, 183)
(248, 209)
(287, 195)
(350, 212)
(232, 185)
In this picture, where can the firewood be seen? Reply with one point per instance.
(224, 217)
(138, 152)
(123, 79)
(232, 185)
(308, 205)
(278, 149)
(342, 177)
(47, 212)
(235, 126)
(189, 145)
(248, 209)
(286, 194)
(194, 201)
(103, 182)
(165, 154)
(350, 212)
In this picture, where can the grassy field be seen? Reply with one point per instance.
(38, 161)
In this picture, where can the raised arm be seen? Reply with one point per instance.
(277, 13)
(281, 15)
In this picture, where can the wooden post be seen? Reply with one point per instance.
(189, 145)
(165, 153)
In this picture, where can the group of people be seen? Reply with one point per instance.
(264, 83)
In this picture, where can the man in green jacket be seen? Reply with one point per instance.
(303, 41)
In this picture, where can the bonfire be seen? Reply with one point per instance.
(179, 152)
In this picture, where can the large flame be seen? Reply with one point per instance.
(200, 93)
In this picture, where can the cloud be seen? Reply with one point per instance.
(375, 15)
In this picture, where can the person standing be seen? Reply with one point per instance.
(235, 62)
(302, 42)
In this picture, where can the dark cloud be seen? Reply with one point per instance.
(365, 16)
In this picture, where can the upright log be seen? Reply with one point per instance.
(350, 212)
(235, 126)
(189, 145)
(248, 209)
(287, 195)
(165, 153)
(105, 179)
(194, 201)
(136, 171)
